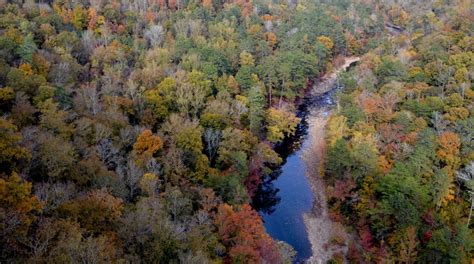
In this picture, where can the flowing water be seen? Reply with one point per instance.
(286, 196)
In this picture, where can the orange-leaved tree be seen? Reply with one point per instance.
(147, 143)
(17, 208)
(244, 236)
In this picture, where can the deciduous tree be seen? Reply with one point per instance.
(243, 233)
(11, 152)
(280, 123)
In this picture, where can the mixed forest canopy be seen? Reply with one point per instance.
(400, 155)
(138, 131)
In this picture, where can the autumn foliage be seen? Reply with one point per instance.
(399, 150)
(147, 143)
(243, 233)
(140, 131)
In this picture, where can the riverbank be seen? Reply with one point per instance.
(326, 83)
(320, 228)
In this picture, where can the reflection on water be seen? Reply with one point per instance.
(285, 195)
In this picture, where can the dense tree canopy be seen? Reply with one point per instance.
(397, 158)
(138, 131)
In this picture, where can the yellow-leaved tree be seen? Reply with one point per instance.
(281, 123)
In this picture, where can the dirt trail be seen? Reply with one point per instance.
(318, 224)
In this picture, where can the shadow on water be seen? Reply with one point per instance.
(266, 197)
(285, 195)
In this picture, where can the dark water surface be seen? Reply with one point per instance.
(286, 222)
(286, 195)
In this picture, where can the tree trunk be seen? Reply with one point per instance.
(470, 212)
(281, 95)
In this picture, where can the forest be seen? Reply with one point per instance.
(400, 155)
(138, 131)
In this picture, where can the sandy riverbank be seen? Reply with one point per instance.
(318, 224)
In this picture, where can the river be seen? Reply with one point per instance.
(291, 201)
